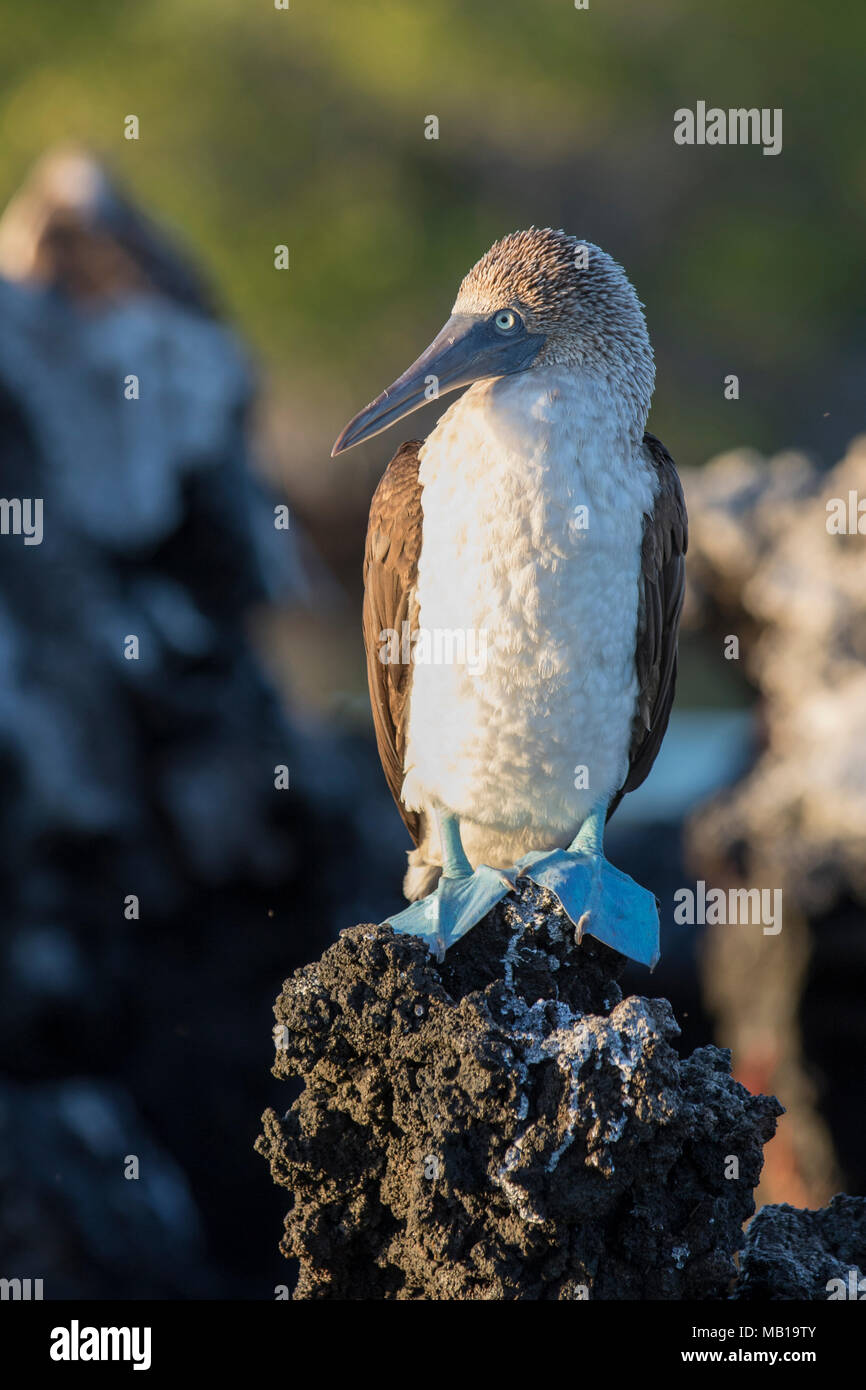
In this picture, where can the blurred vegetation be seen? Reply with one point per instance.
(306, 126)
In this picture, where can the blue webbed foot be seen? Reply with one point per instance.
(457, 904)
(599, 899)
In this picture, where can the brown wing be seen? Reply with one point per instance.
(390, 574)
(663, 582)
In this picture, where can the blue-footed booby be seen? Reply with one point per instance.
(539, 525)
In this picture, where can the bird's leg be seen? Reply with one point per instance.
(462, 897)
(454, 861)
(598, 898)
(590, 837)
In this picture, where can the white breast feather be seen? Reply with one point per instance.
(505, 553)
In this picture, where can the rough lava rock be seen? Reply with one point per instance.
(798, 1254)
(505, 1125)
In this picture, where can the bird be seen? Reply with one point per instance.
(524, 574)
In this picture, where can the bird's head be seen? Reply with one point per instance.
(536, 299)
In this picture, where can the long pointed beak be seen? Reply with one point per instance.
(467, 349)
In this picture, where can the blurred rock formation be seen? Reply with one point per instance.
(505, 1125)
(89, 1201)
(71, 228)
(151, 777)
(766, 564)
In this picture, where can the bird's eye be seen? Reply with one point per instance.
(506, 321)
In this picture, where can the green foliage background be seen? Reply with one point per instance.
(306, 126)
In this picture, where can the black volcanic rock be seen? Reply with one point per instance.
(791, 1253)
(505, 1126)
